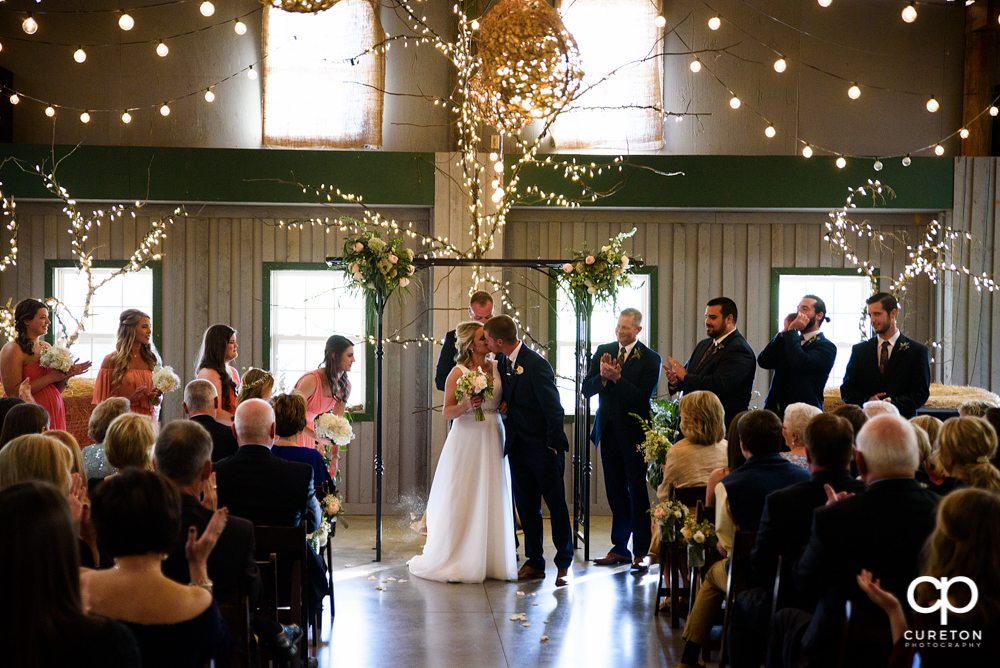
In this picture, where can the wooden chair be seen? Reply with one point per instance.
(866, 639)
(776, 592)
(288, 544)
(237, 618)
(739, 578)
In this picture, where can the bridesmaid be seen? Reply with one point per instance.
(218, 349)
(19, 362)
(327, 388)
(128, 372)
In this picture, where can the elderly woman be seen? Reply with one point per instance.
(692, 459)
(965, 447)
(289, 421)
(793, 428)
(94, 462)
(129, 442)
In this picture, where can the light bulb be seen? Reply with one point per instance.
(660, 21)
(878, 165)
(207, 8)
(964, 132)
(240, 27)
(50, 112)
(932, 105)
(696, 66)
(126, 118)
(85, 117)
(939, 150)
(493, 157)
(824, 3)
(29, 25)
(80, 55)
(780, 65)
(251, 73)
(841, 163)
(14, 99)
(162, 50)
(1, 47)
(475, 24)
(164, 110)
(209, 95)
(906, 160)
(734, 102)
(498, 168)
(909, 13)
(126, 22)
(854, 92)
(769, 131)
(714, 23)
(807, 152)
(994, 111)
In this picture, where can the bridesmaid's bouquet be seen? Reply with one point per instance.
(333, 427)
(56, 357)
(475, 384)
(164, 378)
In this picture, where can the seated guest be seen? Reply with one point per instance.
(42, 620)
(739, 503)
(875, 408)
(793, 429)
(6, 403)
(201, 404)
(734, 460)
(853, 414)
(881, 530)
(70, 442)
(256, 384)
(23, 419)
(965, 541)
(129, 441)
(182, 455)
(992, 416)
(784, 531)
(974, 408)
(929, 424)
(703, 449)
(138, 517)
(94, 461)
(965, 447)
(289, 421)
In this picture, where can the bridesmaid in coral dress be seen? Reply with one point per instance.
(19, 363)
(326, 389)
(218, 349)
(128, 372)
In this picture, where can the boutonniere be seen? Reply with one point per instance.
(518, 370)
(718, 348)
(636, 354)
(809, 342)
(904, 345)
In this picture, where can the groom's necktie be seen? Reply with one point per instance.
(510, 367)
(884, 357)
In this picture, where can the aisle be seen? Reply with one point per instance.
(603, 619)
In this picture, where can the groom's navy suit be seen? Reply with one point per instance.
(536, 448)
(906, 381)
(618, 434)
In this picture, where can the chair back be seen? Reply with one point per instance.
(289, 546)
(690, 496)
(739, 579)
(267, 604)
(237, 618)
(866, 639)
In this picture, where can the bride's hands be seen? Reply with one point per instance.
(475, 402)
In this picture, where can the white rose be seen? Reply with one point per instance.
(699, 537)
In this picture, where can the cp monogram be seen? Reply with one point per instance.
(943, 584)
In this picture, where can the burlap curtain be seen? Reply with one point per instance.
(611, 33)
(312, 98)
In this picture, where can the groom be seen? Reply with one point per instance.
(535, 446)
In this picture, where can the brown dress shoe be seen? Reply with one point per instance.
(640, 564)
(613, 559)
(563, 577)
(529, 573)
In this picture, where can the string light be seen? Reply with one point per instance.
(80, 55)
(165, 110)
(769, 131)
(841, 162)
(660, 21)
(994, 111)
(126, 22)
(696, 66)
(50, 112)
(85, 117)
(878, 165)
(807, 151)
(909, 13)
(906, 160)
(735, 102)
(964, 132)
(932, 105)
(714, 23)
(780, 65)
(824, 3)
(126, 118)
(162, 49)
(240, 27)
(939, 150)
(14, 99)
(854, 92)
(251, 73)
(209, 96)
(207, 9)
(29, 25)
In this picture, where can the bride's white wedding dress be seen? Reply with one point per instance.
(470, 519)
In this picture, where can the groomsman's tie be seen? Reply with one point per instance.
(622, 356)
(708, 353)
(883, 358)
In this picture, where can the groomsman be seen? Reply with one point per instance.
(480, 310)
(624, 374)
(723, 363)
(889, 366)
(801, 358)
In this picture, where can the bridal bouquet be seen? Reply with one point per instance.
(333, 427)
(698, 535)
(660, 432)
(599, 274)
(377, 264)
(56, 357)
(668, 514)
(164, 378)
(475, 384)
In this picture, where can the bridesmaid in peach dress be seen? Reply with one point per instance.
(218, 349)
(326, 389)
(128, 372)
(19, 363)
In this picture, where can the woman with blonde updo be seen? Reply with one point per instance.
(257, 384)
(965, 447)
(129, 442)
(128, 372)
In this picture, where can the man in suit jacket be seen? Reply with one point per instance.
(723, 363)
(201, 403)
(889, 366)
(784, 531)
(480, 310)
(801, 358)
(881, 530)
(624, 374)
(535, 445)
(182, 454)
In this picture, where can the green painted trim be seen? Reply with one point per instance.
(777, 272)
(219, 175)
(368, 415)
(155, 265)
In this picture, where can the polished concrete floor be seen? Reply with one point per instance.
(604, 618)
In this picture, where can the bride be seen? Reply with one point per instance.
(470, 521)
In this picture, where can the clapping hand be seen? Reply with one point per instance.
(675, 371)
(197, 549)
(77, 368)
(24, 391)
(77, 497)
(880, 597)
(832, 496)
(610, 369)
(209, 495)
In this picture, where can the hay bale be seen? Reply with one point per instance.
(942, 396)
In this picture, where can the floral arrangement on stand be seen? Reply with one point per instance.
(698, 536)
(376, 264)
(597, 276)
(668, 515)
(661, 433)
(475, 384)
(333, 511)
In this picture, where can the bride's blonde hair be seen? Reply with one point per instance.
(465, 335)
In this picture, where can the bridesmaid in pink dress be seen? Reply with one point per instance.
(19, 363)
(128, 372)
(218, 349)
(326, 389)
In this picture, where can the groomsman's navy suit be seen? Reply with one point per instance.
(801, 369)
(906, 381)
(536, 447)
(619, 435)
(728, 373)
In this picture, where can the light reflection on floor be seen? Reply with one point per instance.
(604, 618)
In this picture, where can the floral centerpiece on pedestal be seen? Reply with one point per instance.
(698, 535)
(661, 433)
(668, 515)
(597, 276)
(377, 264)
(332, 508)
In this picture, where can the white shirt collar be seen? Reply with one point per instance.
(513, 356)
(718, 341)
(628, 348)
(806, 337)
(892, 341)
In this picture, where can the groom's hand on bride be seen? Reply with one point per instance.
(502, 408)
